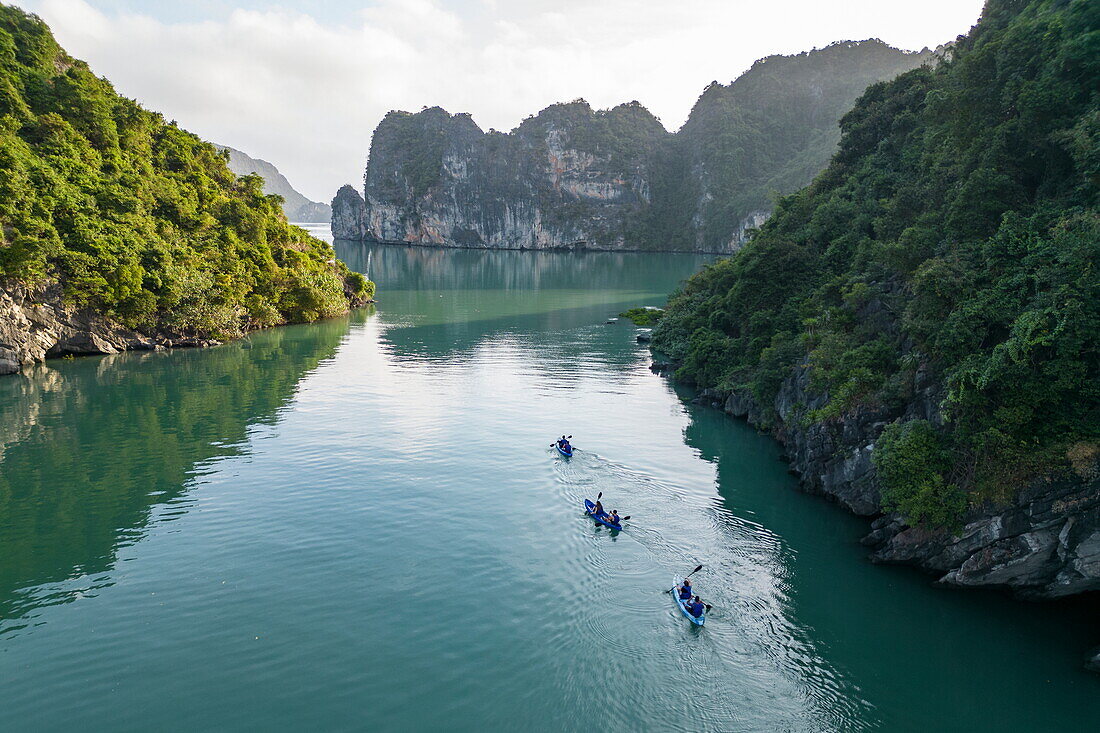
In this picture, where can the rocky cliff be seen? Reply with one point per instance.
(1045, 543)
(571, 177)
(568, 177)
(36, 325)
(296, 206)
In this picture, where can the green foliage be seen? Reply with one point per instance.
(911, 462)
(955, 233)
(134, 216)
(765, 135)
(643, 316)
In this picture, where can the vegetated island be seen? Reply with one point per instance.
(119, 230)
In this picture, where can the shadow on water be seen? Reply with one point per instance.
(89, 447)
(883, 625)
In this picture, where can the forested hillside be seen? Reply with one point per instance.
(953, 241)
(768, 133)
(138, 219)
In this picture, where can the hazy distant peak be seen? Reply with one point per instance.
(296, 206)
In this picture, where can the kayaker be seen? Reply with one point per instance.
(614, 516)
(564, 444)
(599, 511)
(696, 607)
(685, 590)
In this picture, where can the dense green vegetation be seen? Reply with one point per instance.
(955, 232)
(643, 316)
(137, 218)
(766, 134)
(418, 142)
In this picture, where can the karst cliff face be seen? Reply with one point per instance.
(555, 182)
(572, 177)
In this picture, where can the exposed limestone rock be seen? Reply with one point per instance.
(36, 325)
(1044, 544)
(570, 177)
(349, 214)
(1092, 661)
(436, 178)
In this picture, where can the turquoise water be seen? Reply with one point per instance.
(360, 525)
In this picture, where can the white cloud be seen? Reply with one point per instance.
(306, 95)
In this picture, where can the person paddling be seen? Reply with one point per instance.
(599, 511)
(685, 591)
(564, 444)
(696, 607)
(614, 516)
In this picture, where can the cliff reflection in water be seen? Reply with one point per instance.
(89, 447)
(440, 304)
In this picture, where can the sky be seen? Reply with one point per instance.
(303, 84)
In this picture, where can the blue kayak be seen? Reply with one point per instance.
(561, 450)
(683, 607)
(589, 507)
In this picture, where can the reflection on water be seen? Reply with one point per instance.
(360, 524)
(77, 438)
(451, 300)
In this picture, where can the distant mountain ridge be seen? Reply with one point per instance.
(574, 177)
(296, 206)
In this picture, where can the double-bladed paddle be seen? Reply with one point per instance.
(621, 519)
(567, 437)
(693, 572)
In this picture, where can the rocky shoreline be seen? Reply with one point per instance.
(350, 221)
(35, 325)
(1044, 544)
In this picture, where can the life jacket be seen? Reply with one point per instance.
(696, 609)
(685, 593)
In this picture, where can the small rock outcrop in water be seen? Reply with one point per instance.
(573, 178)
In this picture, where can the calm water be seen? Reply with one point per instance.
(360, 524)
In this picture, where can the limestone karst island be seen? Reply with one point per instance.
(458, 365)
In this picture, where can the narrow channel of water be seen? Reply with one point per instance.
(360, 524)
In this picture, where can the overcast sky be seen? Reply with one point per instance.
(303, 84)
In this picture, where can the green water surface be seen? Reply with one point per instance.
(360, 525)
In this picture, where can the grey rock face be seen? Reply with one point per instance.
(571, 177)
(436, 178)
(36, 325)
(349, 214)
(1044, 544)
